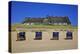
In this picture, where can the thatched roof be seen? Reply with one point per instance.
(59, 20)
(51, 19)
(35, 20)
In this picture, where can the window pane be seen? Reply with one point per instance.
(55, 36)
(21, 36)
(69, 35)
(38, 35)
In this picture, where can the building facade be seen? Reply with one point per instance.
(31, 40)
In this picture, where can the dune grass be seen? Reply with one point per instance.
(42, 26)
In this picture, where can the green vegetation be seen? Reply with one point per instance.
(42, 26)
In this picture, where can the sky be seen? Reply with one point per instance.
(20, 10)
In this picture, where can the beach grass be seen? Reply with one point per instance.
(14, 26)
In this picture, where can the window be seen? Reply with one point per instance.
(55, 36)
(38, 36)
(55, 23)
(69, 35)
(64, 23)
(21, 36)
